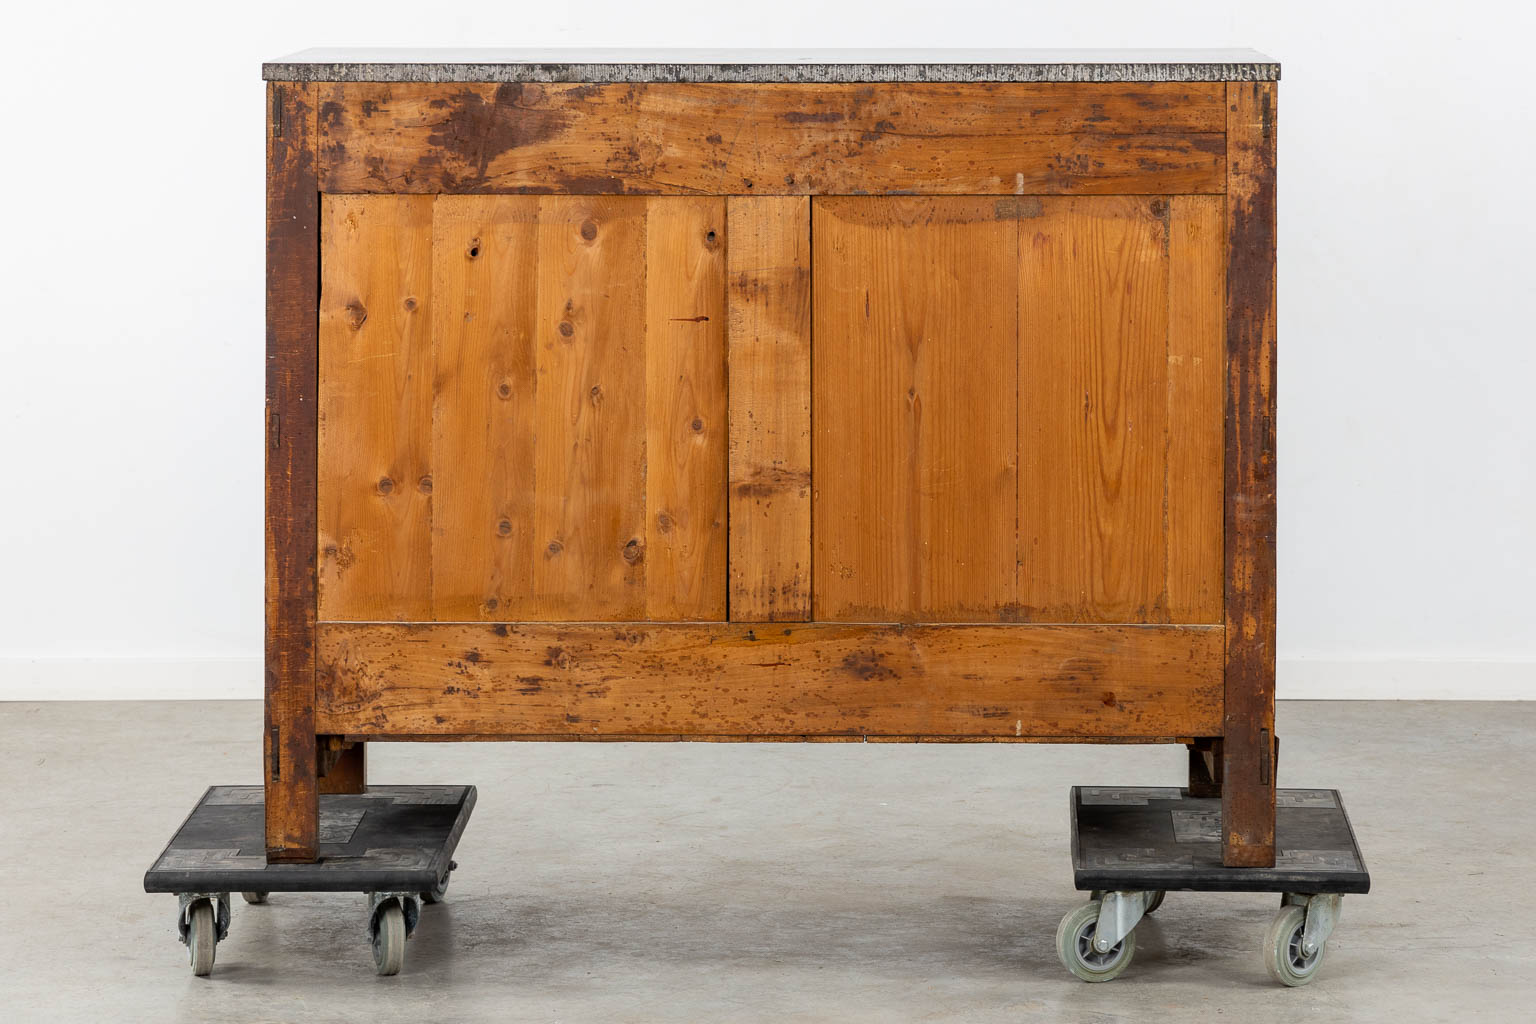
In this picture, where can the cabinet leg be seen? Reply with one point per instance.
(346, 766)
(1248, 799)
(1205, 767)
(292, 796)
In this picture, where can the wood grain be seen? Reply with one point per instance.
(375, 418)
(786, 139)
(1093, 320)
(555, 446)
(1249, 516)
(589, 409)
(348, 768)
(1196, 388)
(292, 297)
(590, 680)
(769, 255)
(685, 412)
(915, 448)
(484, 327)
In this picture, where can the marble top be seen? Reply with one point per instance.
(362, 64)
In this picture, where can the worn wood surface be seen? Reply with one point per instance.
(485, 335)
(523, 406)
(347, 768)
(1248, 790)
(769, 366)
(375, 417)
(717, 679)
(293, 277)
(1196, 387)
(722, 139)
(1093, 311)
(1017, 409)
(914, 409)
(685, 416)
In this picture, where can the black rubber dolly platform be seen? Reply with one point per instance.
(393, 843)
(1132, 844)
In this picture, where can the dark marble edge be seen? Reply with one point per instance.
(306, 71)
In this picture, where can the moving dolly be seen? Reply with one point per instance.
(1130, 845)
(394, 844)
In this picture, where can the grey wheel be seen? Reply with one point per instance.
(202, 938)
(389, 941)
(1284, 957)
(254, 897)
(1074, 945)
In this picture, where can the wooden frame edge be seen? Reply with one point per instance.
(292, 337)
(1249, 513)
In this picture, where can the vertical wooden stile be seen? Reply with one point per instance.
(1249, 518)
(293, 282)
(769, 299)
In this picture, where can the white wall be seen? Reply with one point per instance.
(131, 332)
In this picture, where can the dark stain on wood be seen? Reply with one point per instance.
(293, 301)
(1248, 786)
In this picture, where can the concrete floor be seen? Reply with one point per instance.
(714, 882)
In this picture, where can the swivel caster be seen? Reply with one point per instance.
(202, 920)
(1080, 954)
(1297, 937)
(392, 918)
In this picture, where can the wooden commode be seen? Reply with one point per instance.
(757, 396)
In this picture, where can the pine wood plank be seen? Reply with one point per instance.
(685, 412)
(591, 680)
(589, 409)
(787, 139)
(1093, 309)
(374, 495)
(1196, 388)
(914, 409)
(1249, 514)
(483, 543)
(769, 255)
(292, 300)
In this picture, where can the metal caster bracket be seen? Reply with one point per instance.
(409, 906)
(186, 902)
(1120, 911)
(1322, 917)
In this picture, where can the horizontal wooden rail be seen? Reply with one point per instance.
(723, 139)
(632, 680)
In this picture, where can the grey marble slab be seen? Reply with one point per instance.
(813, 65)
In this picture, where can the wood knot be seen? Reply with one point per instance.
(504, 389)
(385, 485)
(504, 527)
(424, 485)
(634, 553)
(664, 522)
(596, 393)
(553, 549)
(473, 252)
(357, 315)
(566, 329)
(410, 305)
(588, 230)
(697, 425)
